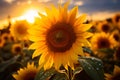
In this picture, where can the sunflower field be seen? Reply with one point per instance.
(61, 45)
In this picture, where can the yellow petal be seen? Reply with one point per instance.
(116, 70)
(83, 27)
(78, 49)
(57, 61)
(36, 45)
(37, 38)
(63, 12)
(39, 51)
(64, 58)
(72, 15)
(84, 42)
(55, 13)
(41, 15)
(80, 20)
(49, 63)
(108, 76)
(87, 34)
(72, 59)
(43, 58)
(84, 34)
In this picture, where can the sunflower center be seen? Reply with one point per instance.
(21, 30)
(12, 38)
(29, 76)
(117, 18)
(105, 28)
(18, 49)
(60, 37)
(103, 43)
(116, 37)
(5, 38)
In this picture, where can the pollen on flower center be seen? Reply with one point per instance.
(60, 37)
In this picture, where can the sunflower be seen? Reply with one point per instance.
(93, 29)
(115, 75)
(16, 49)
(101, 41)
(59, 37)
(26, 43)
(27, 73)
(116, 18)
(104, 26)
(5, 36)
(109, 20)
(115, 35)
(19, 29)
(11, 38)
(2, 42)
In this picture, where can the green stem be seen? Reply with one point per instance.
(70, 73)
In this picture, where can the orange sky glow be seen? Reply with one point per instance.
(29, 10)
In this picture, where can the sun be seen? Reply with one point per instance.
(29, 15)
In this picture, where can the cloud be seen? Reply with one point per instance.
(102, 15)
(45, 1)
(9, 1)
(16, 7)
(79, 3)
(99, 6)
(61, 1)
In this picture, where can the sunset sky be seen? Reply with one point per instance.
(94, 8)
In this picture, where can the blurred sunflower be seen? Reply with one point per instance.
(2, 42)
(11, 38)
(104, 26)
(93, 29)
(26, 43)
(16, 49)
(27, 73)
(116, 36)
(5, 37)
(116, 21)
(59, 37)
(19, 29)
(101, 41)
(109, 20)
(115, 75)
(116, 18)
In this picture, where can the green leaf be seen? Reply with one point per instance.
(93, 67)
(50, 74)
(8, 63)
(44, 75)
(7, 68)
(58, 76)
(88, 50)
(107, 50)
